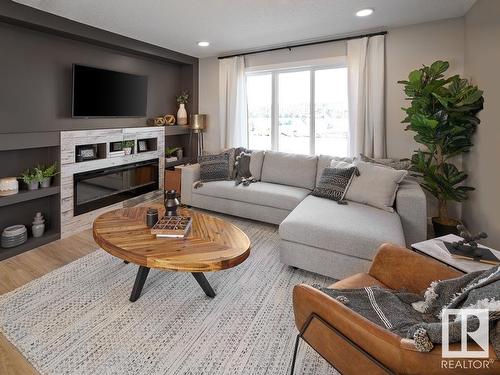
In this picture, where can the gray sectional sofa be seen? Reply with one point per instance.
(316, 234)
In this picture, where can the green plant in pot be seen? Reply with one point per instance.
(171, 151)
(45, 174)
(443, 113)
(128, 146)
(31, 178)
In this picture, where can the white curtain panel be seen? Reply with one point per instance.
(232, 102)
(366, 70)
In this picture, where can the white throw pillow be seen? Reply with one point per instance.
(375, 186)
(340, 164)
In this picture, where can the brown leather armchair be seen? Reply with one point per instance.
(355, 345)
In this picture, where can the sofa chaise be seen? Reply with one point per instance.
(316, 234)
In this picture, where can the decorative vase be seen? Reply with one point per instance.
(441, 229)
(38, 225)
(127, 150)
(171, 203)
(182, 116)
(32, 185)
(45, 183)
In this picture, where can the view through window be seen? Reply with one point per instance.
(302, 111)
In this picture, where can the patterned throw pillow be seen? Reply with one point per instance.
(214, 167)
(334, 183)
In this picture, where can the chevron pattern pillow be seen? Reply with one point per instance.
(214, 167)
(334, 183)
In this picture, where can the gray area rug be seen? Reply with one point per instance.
(78, 320)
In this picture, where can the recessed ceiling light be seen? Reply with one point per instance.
(203, 44)
(364, 12)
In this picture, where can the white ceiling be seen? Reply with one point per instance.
(239, 25)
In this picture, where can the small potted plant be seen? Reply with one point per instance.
(30, 177)
(45, 174)
(169, 154)
(182, 100)
(128, 147)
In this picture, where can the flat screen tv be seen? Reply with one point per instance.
(106, 93)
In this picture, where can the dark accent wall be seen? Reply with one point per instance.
(36, 81)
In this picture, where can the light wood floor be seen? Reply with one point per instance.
(23, 268)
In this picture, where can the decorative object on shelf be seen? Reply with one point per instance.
(172, 226)
(169, 120)
(151, 217)
(31, 178)
(14, 236)
(86, 152)
(128, 147)
(443, 113)
(8, 186)
(116, 149)
(38, 225)
(171, 203)
(198, 126)
(169, 154)
(179, 153)
(45, 174)
(157, 121)
(142, 146)
(182, 100)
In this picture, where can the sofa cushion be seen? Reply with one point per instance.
(261, 193)
(354, 229)
(256, 161)
(325, 161)
(375, 185)
(289, 169)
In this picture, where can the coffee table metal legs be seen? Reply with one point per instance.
(140, 279)
(205, 285)
(142, 275)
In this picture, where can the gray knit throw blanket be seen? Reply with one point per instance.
(418, 317)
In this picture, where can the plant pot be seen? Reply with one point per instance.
(182, 117)
(32, 185)
(45, 183)
(127, 150)
(442, 229)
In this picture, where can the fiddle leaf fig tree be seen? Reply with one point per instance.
(443, 114)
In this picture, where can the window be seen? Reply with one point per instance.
(304, 111)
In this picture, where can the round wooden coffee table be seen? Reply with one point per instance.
(213, 244)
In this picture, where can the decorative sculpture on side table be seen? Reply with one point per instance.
(468, 247)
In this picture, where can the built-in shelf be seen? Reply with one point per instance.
(28, 195)
(177, 162)
(176, 129)
(49, 236)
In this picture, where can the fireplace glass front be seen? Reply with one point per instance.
(103, 187)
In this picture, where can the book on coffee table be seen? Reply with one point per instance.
(172, 227)
(480, 254)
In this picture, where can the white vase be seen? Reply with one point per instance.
(182, 116)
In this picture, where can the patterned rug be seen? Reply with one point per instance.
(78, 319)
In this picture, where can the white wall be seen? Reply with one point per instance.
(482, 62)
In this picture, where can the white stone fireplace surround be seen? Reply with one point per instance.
(70, 223)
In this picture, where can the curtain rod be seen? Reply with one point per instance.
(304, 44)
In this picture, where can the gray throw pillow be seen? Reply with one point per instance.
(334, 183)
(242, 169)
(214, 167)
(398, 164)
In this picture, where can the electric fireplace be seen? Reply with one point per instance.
(103, 187)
